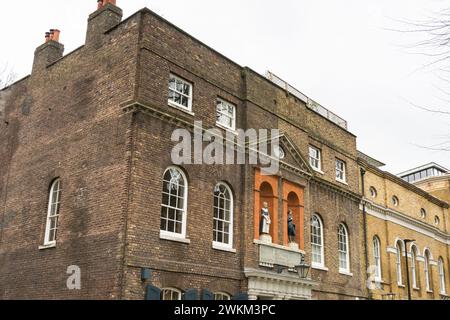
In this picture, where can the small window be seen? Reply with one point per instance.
(315, 158)
(373, 192)
(54, 199)
(180, 93)
(340, 171)
(437, 220)
(395, 201)
(426, 269)
(399, 250)
(221, 296)
(226, 114)
(423, 213)
(170, 294)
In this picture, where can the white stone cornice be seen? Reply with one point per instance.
(403, 220)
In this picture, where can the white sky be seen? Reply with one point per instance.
(337, 52)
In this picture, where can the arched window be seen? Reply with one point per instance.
(377, 257)
(399, 250)
(223, 216)
(442, 276)
(221, 296)
(170, 294)
(317, 241)
(174, 203)
(414, 266)
(344, 260)
(426, 267)
(51, 226)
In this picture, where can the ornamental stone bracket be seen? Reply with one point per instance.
(268, 285)
(271, 255)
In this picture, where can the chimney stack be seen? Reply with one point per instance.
(48, 52)
(104, 18)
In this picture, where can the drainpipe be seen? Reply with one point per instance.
(366, 250)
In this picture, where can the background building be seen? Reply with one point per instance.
(395, 210)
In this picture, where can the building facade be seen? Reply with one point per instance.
(87, 179)
(408, 238)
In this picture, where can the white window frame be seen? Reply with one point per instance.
(398, 262)
(222, 245)
(343, 232)
(395, 201)
(53, 212)
(168, 234)
(222, 295)
(441, 269)
(377, 257)
(413, 254)
(426, 269)
(318, 159)
(341, 171)
(189, 97)
(171, 291)
(320, 247)
(228, 104)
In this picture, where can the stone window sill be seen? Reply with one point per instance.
(168, 237)
(346, 273)
(47, 246)
(319, 267)
(221, 247)
(176, 106)
(318, 171)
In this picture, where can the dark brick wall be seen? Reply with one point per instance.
(65, 121)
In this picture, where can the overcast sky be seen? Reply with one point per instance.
(339, 53)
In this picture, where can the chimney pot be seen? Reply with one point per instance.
(47, 37)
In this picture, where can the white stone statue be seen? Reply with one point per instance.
(264, 225)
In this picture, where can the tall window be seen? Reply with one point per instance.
(315, 158)
(180, 93)
(317, 241)
(377, 257)
(340, 171)
(441, 276)
(398, 248)
(223, 216)
(54, 199)
(344, 261)
(414, 266)
(170, 294)
(174, 203)
(226, 114)
(426, 267)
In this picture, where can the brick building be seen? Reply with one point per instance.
(396, 210)
(87, 177)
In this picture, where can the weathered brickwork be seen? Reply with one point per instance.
(99, 120)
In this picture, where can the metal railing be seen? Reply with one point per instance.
(310, 103)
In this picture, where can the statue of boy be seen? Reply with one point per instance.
(264, 225)
(291, 227)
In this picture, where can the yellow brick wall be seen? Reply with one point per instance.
(422, 230)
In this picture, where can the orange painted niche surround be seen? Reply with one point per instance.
(292, 194)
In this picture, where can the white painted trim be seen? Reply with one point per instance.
(390, 218)
(391, 250)
(181, 108)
